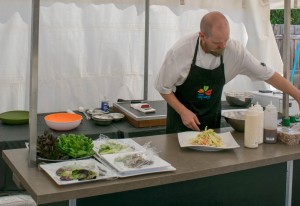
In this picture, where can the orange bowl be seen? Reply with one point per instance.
(63, 121)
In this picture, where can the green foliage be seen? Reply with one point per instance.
(277, 16)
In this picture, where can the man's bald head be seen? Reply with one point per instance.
(214, 33)
(212, 22)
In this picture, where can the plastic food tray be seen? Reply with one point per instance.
(289, 136)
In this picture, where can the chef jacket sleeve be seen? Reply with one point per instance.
(169, 75)
(251, 66)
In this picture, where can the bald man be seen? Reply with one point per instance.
(197, 67)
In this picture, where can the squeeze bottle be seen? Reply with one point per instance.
(270, 124)
(251, 128)
(260, 111)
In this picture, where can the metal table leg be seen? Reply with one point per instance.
(72, 202)
(289, 183)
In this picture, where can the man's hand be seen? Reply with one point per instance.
(190, 120)
(284, 85)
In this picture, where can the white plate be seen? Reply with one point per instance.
(157, 165)
(92, 164)
(61, 160)
(131, 145)
(185, 137)
(130, 174)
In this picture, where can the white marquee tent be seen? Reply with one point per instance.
(91, 49)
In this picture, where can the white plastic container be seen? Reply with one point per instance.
(270, 124)
(260, 111)
(251, 128)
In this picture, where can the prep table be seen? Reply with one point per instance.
(240, 176)
(15, 136)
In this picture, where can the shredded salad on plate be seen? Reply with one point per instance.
(207, 138)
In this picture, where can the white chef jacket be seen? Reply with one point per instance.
(236, 59)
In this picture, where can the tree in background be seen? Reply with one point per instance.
(277, 16)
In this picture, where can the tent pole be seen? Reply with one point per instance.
(285, 105)
(146, 53)
(286, 54)
(33, 82)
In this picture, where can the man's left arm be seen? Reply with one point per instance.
(284, 85)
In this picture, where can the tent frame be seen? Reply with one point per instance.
(35, 13)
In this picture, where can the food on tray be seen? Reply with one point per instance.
(75, 172)
(75, 146)
(134, 160)
(111, 147)
(207, 138)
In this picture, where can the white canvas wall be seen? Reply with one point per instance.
(94, 48)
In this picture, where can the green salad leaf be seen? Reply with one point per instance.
(75, 146)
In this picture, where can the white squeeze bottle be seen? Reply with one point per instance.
(251, 128)
(260, 111)
(270, 124)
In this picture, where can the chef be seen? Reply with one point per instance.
(197, 67)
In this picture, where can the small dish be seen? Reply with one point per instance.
(102, 119)
(117, 116)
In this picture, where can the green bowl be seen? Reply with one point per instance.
(15, 117)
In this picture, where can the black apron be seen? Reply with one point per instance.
(200, 93)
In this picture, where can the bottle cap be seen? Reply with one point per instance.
(252, 112)
(286, 122)
(292, 119)
(258, 107)
(271, 107)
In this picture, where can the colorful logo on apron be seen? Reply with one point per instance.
(204, 93)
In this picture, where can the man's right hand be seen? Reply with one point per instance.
(190, 120)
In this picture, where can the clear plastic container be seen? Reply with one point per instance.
(289, 136)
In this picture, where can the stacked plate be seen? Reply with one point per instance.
(129, 158)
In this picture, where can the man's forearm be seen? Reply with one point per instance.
(172, 100)
(284, 85)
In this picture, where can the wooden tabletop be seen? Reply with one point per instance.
(189, 164)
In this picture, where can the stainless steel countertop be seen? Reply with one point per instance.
(190, 164)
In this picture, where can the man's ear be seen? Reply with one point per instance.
(201, 34)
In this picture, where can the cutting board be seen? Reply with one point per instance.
(139, 119)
